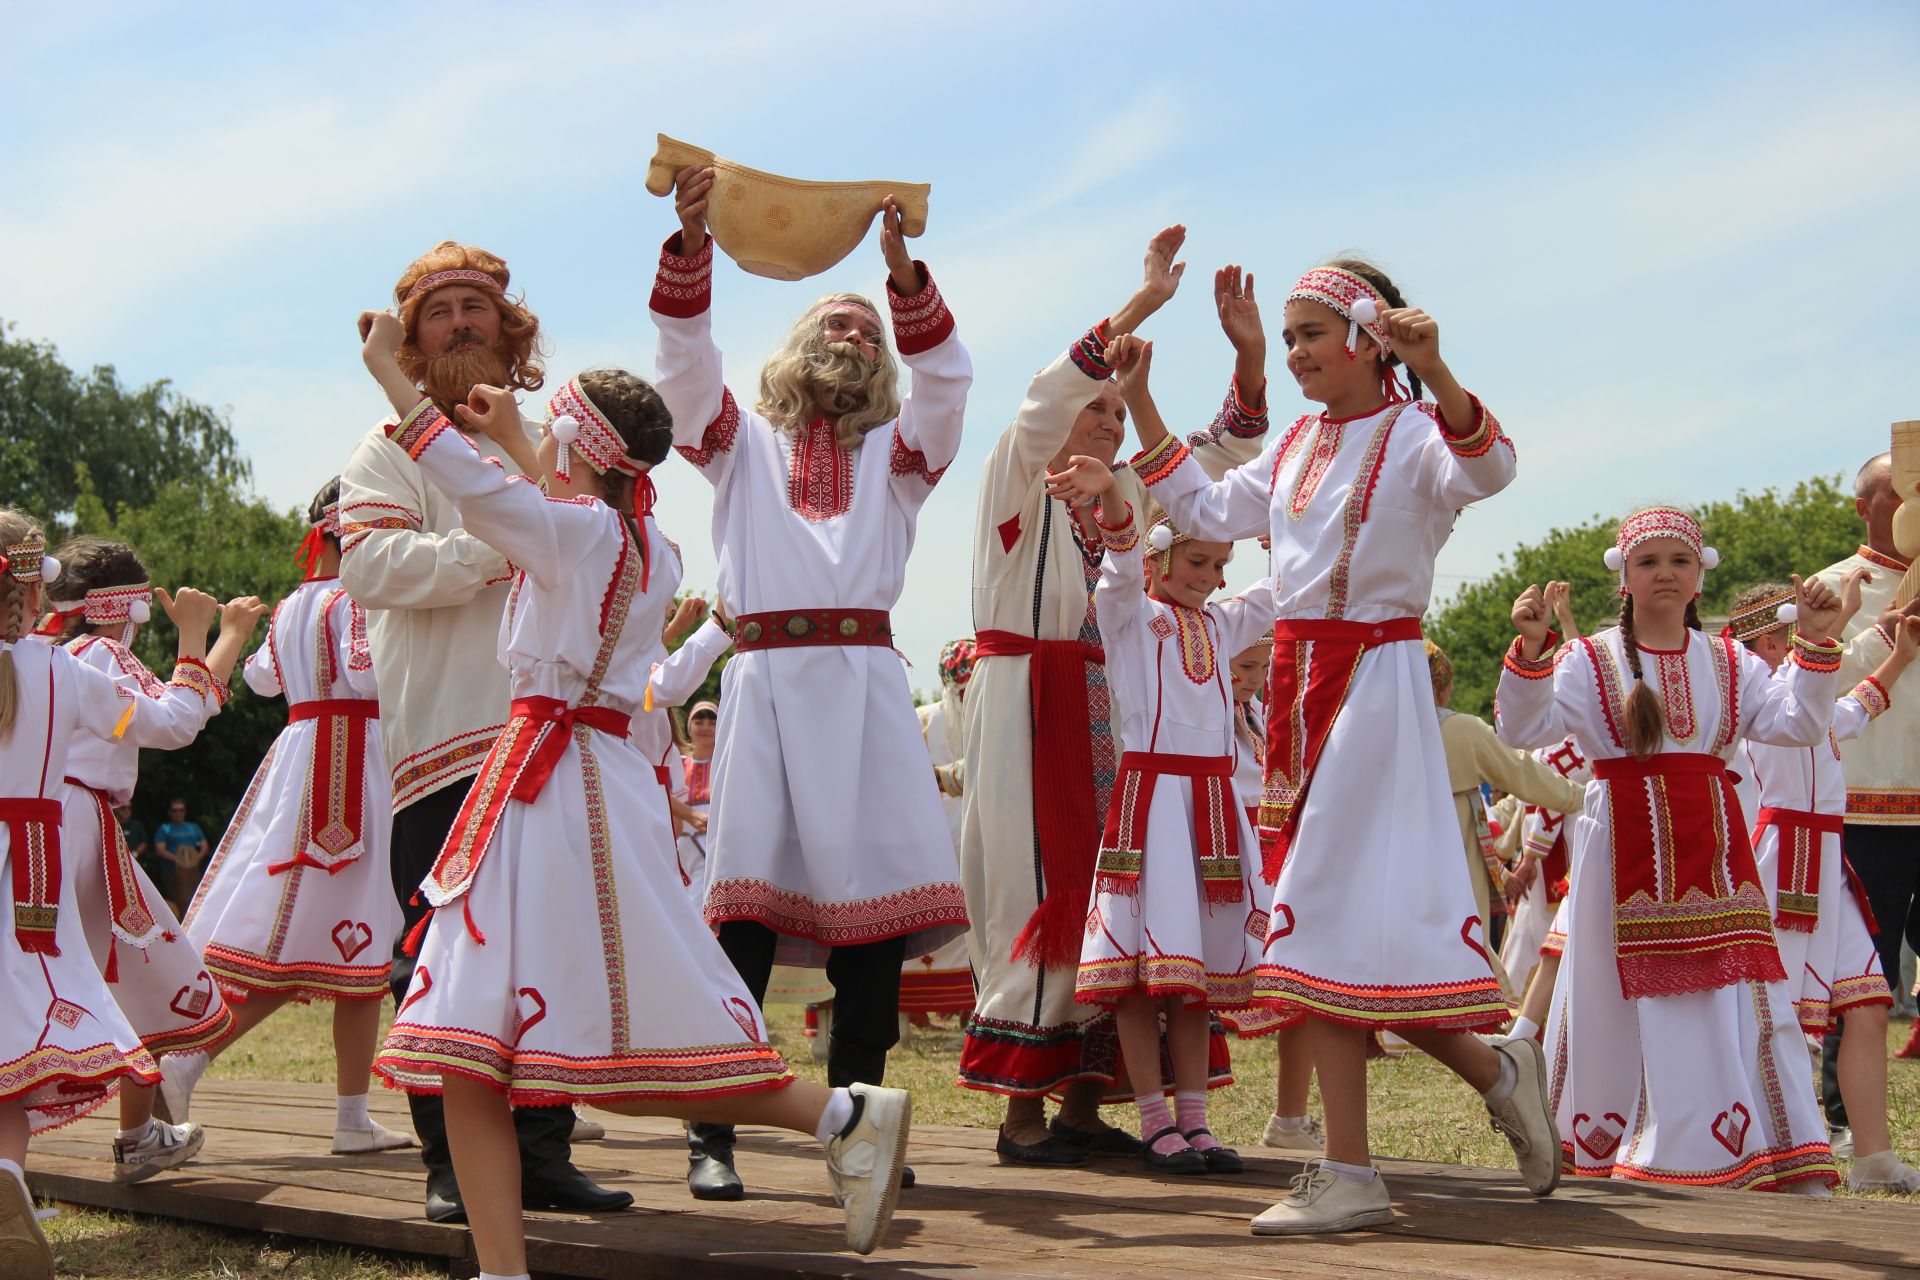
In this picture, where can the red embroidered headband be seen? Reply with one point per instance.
(1659, 522)
(844, 304)
(1349, 295)
(577, 423)
(132, 604)
(462, 275)
(29, 562)
(1762, 616)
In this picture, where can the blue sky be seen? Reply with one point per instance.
(1671, 245)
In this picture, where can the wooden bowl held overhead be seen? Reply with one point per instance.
(785, 228)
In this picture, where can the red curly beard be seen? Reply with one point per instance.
(448, 377)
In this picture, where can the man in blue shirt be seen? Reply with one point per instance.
(183, 846)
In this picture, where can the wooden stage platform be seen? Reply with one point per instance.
(266, 1167)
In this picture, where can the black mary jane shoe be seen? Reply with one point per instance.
(711, 1176)
(1218, 1159)
(1107, 1142)
(1044, 1152)
(1186, 1162)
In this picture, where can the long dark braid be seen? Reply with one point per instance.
(1646, 721)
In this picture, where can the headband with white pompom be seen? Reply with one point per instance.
(1352, 297)
(29, 562)
(577, 423)
(1659, 522)
(1769, 613)
(1162, 538)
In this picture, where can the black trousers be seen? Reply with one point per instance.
(1887, 859)
(419, 832)
(866, 1005)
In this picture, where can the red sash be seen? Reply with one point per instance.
(33, 841)
(1216, 837)
(1678, 924)
(336, 782)
(1801, 836)
(1064, 815)
(1314, 661)
(517, 768)
(131, 919)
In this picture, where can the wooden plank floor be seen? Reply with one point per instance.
(266, 1167)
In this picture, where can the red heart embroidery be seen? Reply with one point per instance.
(1276, 930)
(1601, 1140)
(1466, 935)
(351, 937)
(742, 1013)
(191, 1001)
(524, 1023)
(422, 983)
(1730, 1127)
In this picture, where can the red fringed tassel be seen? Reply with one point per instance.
(113, 962)
(411, 946)
(308, 556)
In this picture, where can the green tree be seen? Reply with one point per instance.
(1760, 536)
(132, 441)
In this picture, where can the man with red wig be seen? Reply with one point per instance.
(434, 595)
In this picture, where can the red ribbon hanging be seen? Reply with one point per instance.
(308, 556)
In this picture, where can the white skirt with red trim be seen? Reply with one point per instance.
(575, 969)
(1835, 967)
(299, 931)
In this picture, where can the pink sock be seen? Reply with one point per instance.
(1190, 1112)
(1154, 1116)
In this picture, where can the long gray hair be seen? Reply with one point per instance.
(791, 382)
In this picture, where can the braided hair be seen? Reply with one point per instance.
(640, 416)
(15, 526)
(1646, 721)
(1388, 291)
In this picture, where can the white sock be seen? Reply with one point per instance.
(834, 1117)
(1524, 1028)
(1289, 1124)
(1503, 1087)
(1360, 1173)
(136, 1135)
(351, 1112)
(490, 1275)
(8, 1166)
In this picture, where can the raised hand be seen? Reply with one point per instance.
(1131, 359)
(686, 616)
(381, 334)
(1906, 638)
(691, 187)
(1415, 338)
(491, 412)
(893, 247)
(1161, 274)
(242, 614)
(1532, 619)
(1559, 598)
(1239, 313)
(1850, 592)
(1891, 617)
(1819, 608)
(1081, 481)
(190, 611)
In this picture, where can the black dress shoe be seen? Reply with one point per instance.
(1218, 1159)
(565, 1188)
(906, 1176)
(1044, 1152)
(443, 1198)
(710, 1174)
(1107, 1142)
(1186, 1162)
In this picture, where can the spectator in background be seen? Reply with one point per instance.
(182, 845)
(134, 832)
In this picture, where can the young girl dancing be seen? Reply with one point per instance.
(1175, 927)
(561, 935)
(1358, 500)
(1675, 1053)
(64, 1043)
(161, 981)
(297, 903)
(1797, 798)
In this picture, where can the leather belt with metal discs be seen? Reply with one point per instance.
(804, 628)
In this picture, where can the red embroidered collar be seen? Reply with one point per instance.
(1884, 561)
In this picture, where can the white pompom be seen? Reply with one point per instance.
(1364, 310)
(1160, 537)
(565, 428)
(49, 569)
(1614, 559)
(1709, 557)
(1789, 612)
(139, 611)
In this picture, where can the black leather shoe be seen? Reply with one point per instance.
(710, 1174)
(565, 1188)
(443, 1198)
(1108, 1142)
(1186, 1162)
(1044, 1152)
(906, 1176)
(1218, 1159)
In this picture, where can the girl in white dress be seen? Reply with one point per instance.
(298, 903)
(563, 962)
(1358, 500)
(156, 973)
(1676, 1056)
(1796, 797)
(65, 1046)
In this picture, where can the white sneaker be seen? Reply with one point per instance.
(585, 1130)
(1525, 1118)
(864, 1161)
(24, 1251)
(1883, 1171)
(1324, 1202)
(358, 1142)
(179, 1074)
(166, 1146)
(1843, 1143)
(1312, 1139)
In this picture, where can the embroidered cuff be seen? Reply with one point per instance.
(1874, 696)
(912, 462)
(719, 436)
(1886, 637)
(1238, 419)
(191, 673)
(1159, 462)
(1090, 353)
(682, 286)
(921, 322)
(1481, 433)
(1821, 658)
(1122, 537)
(1531, 668)
(417, 430)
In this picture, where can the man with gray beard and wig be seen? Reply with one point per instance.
(826, 840)
(434, 595)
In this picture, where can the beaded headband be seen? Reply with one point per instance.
(461, 275)
(1659, 522)
(131, 604)
(843, 304)
(1349, 295)
(577, 423)
(29, 562)
(1762, 616)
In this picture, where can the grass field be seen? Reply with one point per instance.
(1419, 1111)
